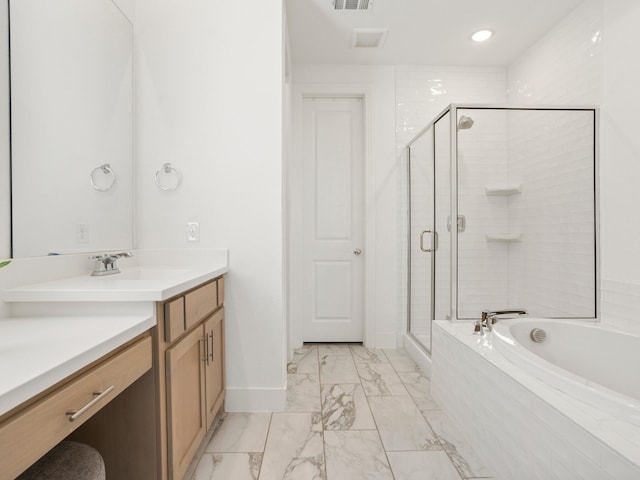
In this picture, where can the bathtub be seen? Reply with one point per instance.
(598, 366)
(566, 408)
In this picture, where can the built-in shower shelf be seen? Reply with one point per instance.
(504, 237)
(503, 190)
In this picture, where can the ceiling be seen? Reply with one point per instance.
(421, 32)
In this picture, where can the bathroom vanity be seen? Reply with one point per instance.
(142, 381)
(190, 371)
(36, 418)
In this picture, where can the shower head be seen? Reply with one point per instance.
(465, 122)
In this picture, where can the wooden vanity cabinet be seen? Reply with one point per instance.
(33, 429)
(191, 372)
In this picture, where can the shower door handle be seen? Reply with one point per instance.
(422, 241)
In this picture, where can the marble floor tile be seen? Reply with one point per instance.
(368, 355)
(338, 349)
(225, 466)
(401, 360)
(422, 466)
(462, 455)
(419, 387)
(380, 379)
(305, 360)
(241, 432)
(294, 448)
(345, 407)
(303, 392)
(355, 455)
(401, 425)
(352, 413)
(337, 369)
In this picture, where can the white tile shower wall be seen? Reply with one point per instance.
(565, 66)
(620, 305)
(422, 92)
(516, 433)
(552, 270)
(619, 168)
(482, 265)
(562, 68)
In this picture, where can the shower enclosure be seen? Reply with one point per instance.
(502, 214)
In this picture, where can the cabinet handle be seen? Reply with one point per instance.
(205, 347)
(75, 414)
(212, 346)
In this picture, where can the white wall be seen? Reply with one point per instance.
(127, 7)
(209, 100)
(5, 199)
(564, 67)
(586, 59)
(620, 166)
(383, 168)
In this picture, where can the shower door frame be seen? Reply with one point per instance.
(452, 109)
(431, 125)
(454, 192)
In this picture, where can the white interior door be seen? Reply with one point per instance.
(333, 173)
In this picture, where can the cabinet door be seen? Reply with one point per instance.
(185, 401)
(214, 376)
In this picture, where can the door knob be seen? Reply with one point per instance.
(357, 251)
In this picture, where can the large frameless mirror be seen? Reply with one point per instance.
(71, 127)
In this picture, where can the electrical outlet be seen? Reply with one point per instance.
(193, 232)
(82, 233)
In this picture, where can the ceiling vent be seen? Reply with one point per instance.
(353, 4)
(368, 37)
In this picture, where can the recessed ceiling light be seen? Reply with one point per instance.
(482, 35)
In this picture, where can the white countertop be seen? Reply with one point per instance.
(36, 353)
(150, 275)
(135, 284)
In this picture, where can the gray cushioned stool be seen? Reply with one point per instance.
(68, 461)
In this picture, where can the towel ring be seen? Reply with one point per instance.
(168, 170)
(107, 170)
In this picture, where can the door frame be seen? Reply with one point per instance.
(294, 214)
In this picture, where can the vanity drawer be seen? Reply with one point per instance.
(200, 302)
(30, 433)
(174, 324)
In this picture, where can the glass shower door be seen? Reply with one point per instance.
(422, 239)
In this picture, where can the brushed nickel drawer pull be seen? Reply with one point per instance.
(75, 414)
(212, 346)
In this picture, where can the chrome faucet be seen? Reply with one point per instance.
(489, 317)
(106, 263)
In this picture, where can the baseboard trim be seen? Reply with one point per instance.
(386, 340)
